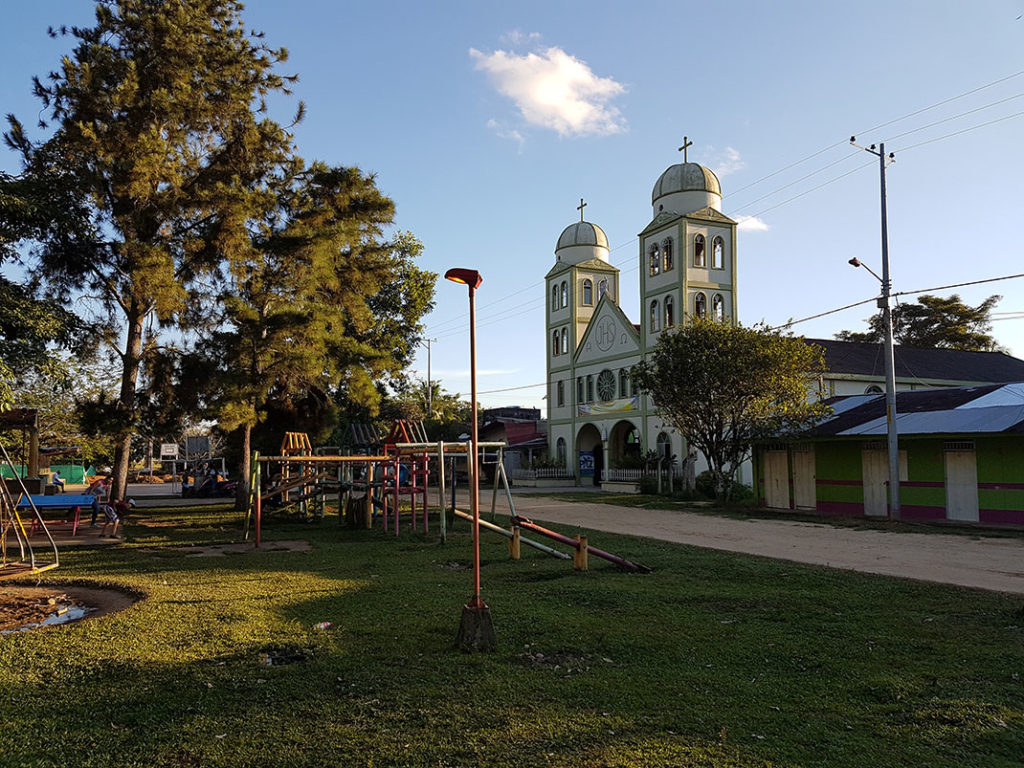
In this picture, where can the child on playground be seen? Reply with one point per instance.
(116, 513)
(98, 489)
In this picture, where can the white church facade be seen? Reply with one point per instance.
(687, 255)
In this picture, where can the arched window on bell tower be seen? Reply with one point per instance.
(700, 305)
(699, 257)
(718, 307)
(670, 312)
(654, 260)
(667, 257)
(554, 297)
(565, 294)
(717, 252)
(655, 317)
(554, 343)
(588, 293)
(565, 340)
(602, 289)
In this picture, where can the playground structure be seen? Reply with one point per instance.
(373, 485)
(12, 524)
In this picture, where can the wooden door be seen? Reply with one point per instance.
(875, 469)
(804, 486)
(776, 479)
(961, 485)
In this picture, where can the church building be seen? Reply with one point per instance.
(687, 253)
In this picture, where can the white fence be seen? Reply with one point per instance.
(545, 473)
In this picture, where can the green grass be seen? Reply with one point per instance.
(712, 660)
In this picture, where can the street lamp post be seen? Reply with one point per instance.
(890, 362)
(476, 631)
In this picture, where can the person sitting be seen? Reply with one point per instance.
(57, 481)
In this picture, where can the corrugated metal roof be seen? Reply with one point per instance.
(979, 410)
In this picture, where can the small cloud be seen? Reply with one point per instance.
(751, 224)
(503, 132)
(730, 163)
(555, 90)
(519, 38)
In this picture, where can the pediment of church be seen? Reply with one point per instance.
(667, 217)
(609, 333)
(710, 214)
(593, 265)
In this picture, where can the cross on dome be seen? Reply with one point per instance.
(580, 208)
(686, 144)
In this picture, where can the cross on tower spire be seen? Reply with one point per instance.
(686, 143)
(580, 208)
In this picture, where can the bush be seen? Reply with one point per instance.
(705, 484)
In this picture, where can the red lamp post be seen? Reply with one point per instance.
(476, 631)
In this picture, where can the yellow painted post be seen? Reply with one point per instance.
(579, 558)
(513, 543)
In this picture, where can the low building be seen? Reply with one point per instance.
(961, 457)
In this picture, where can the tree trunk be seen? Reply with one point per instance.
(244, 470)
(126, 400)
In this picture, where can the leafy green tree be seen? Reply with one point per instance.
(725, 386)
(935, 322)
(160, 144)
(322, 301)
(444, 415)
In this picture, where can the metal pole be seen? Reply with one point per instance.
(477, 601)
(890, 361)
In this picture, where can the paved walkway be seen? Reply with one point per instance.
(985, 563)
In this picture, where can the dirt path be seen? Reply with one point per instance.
(995, 564)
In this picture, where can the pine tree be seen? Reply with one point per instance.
(160, 141)
(321, 301)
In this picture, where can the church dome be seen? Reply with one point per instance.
(685, 188)
(582, 233)
(686, 177)
(581, 241)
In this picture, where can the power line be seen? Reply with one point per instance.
(902, 293)
(513, 389)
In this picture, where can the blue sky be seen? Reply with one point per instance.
(487, 123)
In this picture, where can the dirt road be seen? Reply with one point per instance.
(983, 562)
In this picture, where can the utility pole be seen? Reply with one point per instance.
(890, 362)
(430, 384)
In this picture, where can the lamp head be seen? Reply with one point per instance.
(855, 261)
(468, 277)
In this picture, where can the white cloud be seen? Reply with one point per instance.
(730, 163)
(751, 224)
(504, 132)
(555, 90)
(518, 37)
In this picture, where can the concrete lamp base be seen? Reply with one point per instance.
(476, 631)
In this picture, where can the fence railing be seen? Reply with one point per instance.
(635, 475)
(543, 473)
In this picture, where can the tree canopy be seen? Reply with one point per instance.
(160, 149)
(935, 322)
(725, 386)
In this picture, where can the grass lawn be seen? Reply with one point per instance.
(712, 660)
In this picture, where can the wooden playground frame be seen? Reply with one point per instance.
(381, 487)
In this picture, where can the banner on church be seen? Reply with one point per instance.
(615, 406)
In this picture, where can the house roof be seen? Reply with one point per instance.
(988, 409)
(865, 359)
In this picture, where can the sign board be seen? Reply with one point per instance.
(197, 446)
(586, 463)
(168, 450)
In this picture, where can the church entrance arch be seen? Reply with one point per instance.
(623, 443)
(590, 454)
